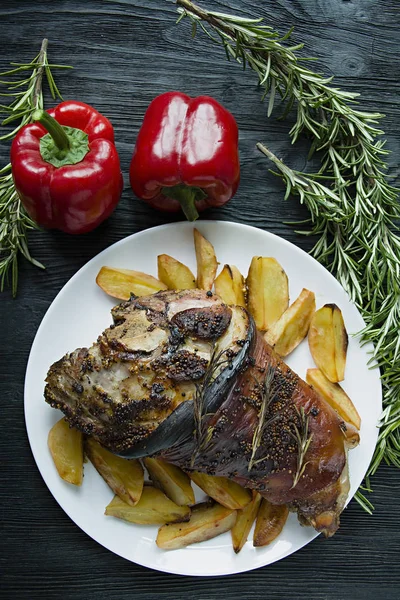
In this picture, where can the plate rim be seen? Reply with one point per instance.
(78, 273)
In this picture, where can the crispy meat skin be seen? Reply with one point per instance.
(320, 489)
(142, 375)
(139, 370)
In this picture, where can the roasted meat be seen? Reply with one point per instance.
(143, 367)
(183, 376)
(267, 455)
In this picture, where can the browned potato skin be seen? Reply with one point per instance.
(66, 447)
(120, 283)
(205, 523)
(244, 522)
(206, 261)
(327, 339)
(125, 477)
(292, 327)
(270, 522)
(222, 490)
(172, 480)
(175, 274)
(335, 395)
(268, 291)
(341, 342)
(230, 286)
(153, 508)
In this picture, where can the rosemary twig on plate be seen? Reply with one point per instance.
(25, 90)
(203, 434)
(354, 209)
(303, 440)
(267, 393)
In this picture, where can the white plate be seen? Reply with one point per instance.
(82, 310)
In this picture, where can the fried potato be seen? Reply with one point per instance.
(125, 477)
(223, 490)
(292, 327)
(270, 522)
(175, 274)
(153, 508)
(244, 522)
(327, 339)
(230, 286)
(171, 479)
(66, 447)
(341, 342)
(335, 395)
(120, 283)
(205, 523)
(206, 261)
(268, 291)
(321, 341)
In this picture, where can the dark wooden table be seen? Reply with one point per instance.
(125, 53)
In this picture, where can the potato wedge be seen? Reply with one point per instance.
(66, 447)
(206, 261)
(205, 523)
(268, 291)
(270, 522)
(175, 274)
(230, 286)
(223, 490)
(341, 342)
(335, 395)
(171, 479)
(244, 522)
(327, 339)
(125, 477)
(120, 283)
(153, 508)
(321, 341)
(292, 327)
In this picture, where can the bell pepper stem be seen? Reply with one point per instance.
(54, 128)
(188, 206)
(187, 197)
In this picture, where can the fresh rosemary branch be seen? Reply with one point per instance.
(303, 440)
(14, 222)
(354, 210)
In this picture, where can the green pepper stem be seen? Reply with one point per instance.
(188, 206)
(54, 128)
(187, 197)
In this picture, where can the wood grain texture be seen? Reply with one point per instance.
(125, 53)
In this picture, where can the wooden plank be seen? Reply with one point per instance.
(125, 53)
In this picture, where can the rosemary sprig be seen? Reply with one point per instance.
(201, 433)
(27, 96)
(268, 392)
(303, 440)
(354, 210)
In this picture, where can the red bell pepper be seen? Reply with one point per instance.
(186, 154)
(66, 168)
